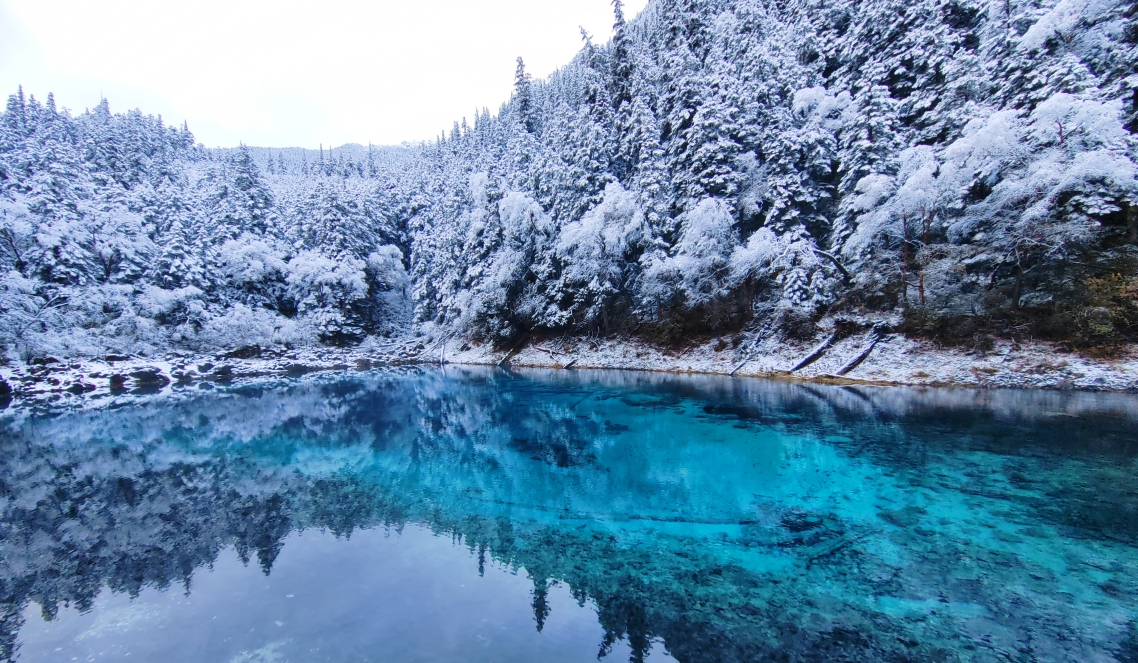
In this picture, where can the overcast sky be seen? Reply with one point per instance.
(285, 73)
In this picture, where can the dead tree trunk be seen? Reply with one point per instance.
(856, 361)
(1132, 223)
(817, 353)
(846, 278)
(514, 351)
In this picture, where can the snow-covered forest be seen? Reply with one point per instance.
(946, 167)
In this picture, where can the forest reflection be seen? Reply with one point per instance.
(704, 512)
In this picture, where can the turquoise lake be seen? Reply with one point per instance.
(459, 514)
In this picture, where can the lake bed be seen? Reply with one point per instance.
(466, 513)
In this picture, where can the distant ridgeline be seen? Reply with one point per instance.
(950, 168)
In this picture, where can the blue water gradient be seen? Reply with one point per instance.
(477, 514)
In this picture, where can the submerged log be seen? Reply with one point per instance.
(582, 400)
(833, 547)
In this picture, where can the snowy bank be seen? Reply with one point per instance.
(894, 359)
(99, 382)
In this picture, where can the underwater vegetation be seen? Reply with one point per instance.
(715, 519)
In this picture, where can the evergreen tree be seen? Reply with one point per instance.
(523, 98)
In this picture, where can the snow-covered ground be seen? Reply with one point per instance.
(895, 359)
(100, 382)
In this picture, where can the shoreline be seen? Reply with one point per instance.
(893, 360)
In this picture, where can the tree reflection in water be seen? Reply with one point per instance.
(731, 519)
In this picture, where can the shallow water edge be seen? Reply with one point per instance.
(894, 360)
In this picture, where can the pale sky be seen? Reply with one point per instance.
(283, 73)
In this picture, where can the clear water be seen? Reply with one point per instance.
(480, 515)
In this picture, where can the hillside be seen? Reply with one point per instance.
(952, 170)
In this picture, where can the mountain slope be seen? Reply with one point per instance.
(952, 169)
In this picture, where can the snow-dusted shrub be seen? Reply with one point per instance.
(897, 209)
(241, 325)
(116, 244)
(817, 105)
(325, 290)
(18, 243)
(498, 297)
(597, 252)
(181, 311)
(112, 320)
(1063, 20)
(24, 315)
(385, 266)
(388, 285)
(76, 321)
(791, 261)
(250, 260)
(698, 270)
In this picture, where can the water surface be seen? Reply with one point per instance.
(480, 515)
